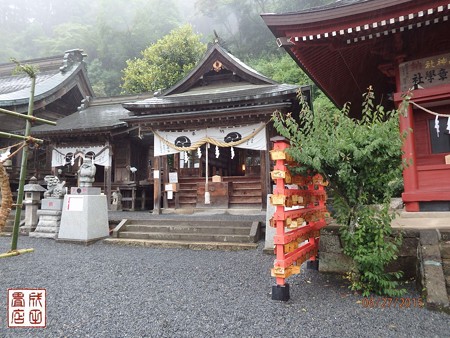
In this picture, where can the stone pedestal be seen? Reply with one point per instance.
(31, 216)
(49, 218)
(270, 231)
(84, 218)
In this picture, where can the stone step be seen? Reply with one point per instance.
(192, 222)
(447, 282)
(194, 245)
(189, 229)
(445, 250)
(425, 214)
(446, 266)
(197, 237)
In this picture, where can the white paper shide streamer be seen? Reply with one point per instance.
(436, 124)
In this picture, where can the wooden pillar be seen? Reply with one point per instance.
(156, 186)
(263, 175)
(410, 180)
(108, 175)
(165, 178)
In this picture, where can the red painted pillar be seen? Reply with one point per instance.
(410, 180)
(279, 189)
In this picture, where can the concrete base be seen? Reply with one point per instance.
(270, 231)
(84, 218)
(280, 292)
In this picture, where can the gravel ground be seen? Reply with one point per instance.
(116, 291)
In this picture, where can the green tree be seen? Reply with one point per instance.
(281, 68)
(362, 161)
(239, 22)
(165, 62)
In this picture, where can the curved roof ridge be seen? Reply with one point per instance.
(197, 71)
(44, 87)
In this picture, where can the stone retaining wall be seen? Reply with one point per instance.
(333, 260)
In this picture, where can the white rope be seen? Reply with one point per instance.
(436, 120)
(429, 111)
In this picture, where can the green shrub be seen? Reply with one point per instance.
(362, 161)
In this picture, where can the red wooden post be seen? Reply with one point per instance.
(409, 150)
(293, 247)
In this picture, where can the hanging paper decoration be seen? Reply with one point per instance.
(247, 137)
(232, 152)
(62, 156)
(448, 125)
(436, 125)
(217, 152)
(199, 152)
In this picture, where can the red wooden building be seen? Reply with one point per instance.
(395, 46)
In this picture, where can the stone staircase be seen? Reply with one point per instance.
(187, 233)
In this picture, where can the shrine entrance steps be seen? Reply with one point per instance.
(244, 192)
(187, 233)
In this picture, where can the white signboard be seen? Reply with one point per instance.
(155, 174)
(173, 177)
(75, 203)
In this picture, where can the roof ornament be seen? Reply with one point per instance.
(70, 57)
(217, 66)
(84, 103)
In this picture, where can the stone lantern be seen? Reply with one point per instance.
(31, 201)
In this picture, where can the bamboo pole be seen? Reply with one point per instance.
(31, 72)
(27, 117)
(15, 253)
(20, 137)
(23, 168)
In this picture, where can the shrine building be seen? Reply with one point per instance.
(210, 134)
(202, 143)
(61, 84)
(397, 47)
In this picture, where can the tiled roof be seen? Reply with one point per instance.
(17, 88)
(214, 95)
(11, 84)
(102, 114)
(53, 73)
(90, 119)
